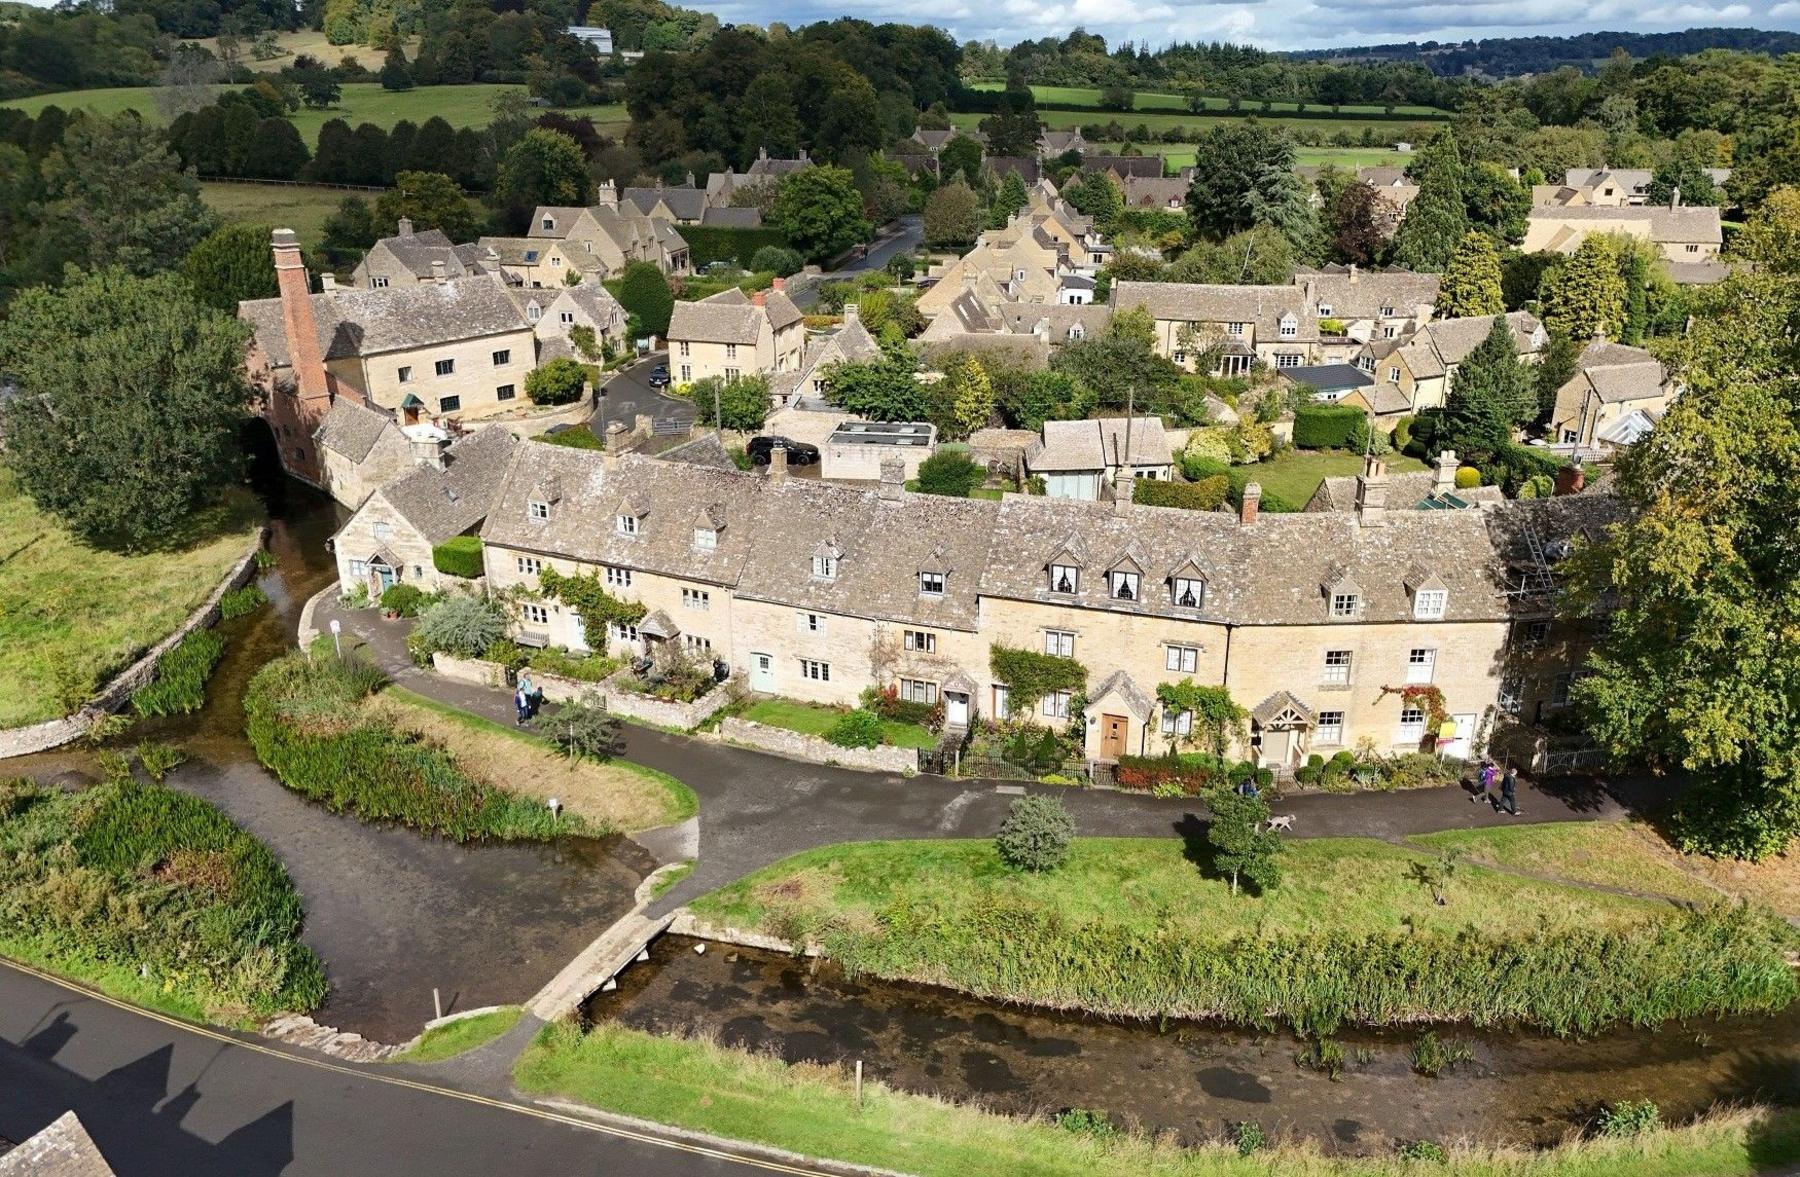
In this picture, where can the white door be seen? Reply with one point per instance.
(762, 672)
(1461, 743)
(956, 709)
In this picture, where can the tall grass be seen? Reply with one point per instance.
(308, 726)
(180, 683)
(239, 602)
(129, 875)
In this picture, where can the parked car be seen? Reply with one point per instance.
(659, 376)
(799, 453)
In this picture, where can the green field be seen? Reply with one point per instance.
(300, 207)
(1146, 100)
(311, 41)
(1160, 123)
(814, 720)
(362, 102)
(1181, 155)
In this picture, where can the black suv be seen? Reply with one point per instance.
(799, 453)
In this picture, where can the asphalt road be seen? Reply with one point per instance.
(628, 393)
(161, 1097)
(909, 238)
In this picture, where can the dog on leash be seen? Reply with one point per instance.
(1284, 822)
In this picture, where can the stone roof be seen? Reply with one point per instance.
(61, 1149)
(706, 450)
(934, 140)
(1194, 302)
(1057, 142)
(418, 251)
(1154, 191)
(731, 218)
(447, 502)
(1688, 224)
(1143, 166)
(1267, 711)
(1096, 444)
(688, 204)
(564, 217)
(1697, 273)
(731, 316)
(1125, 687)
(514, 251)
(1023, 318)
(351, 429)
(393, 318)
(594, 300)
(1363, 293)
(1619, 373)
(1027, 167)
(1382, 177)
(1404, 492)
(1431, 349)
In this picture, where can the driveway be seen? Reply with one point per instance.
(627, 394)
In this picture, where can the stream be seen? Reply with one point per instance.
(1198, 1079)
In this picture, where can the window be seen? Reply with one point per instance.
(693, 598)
(1387, 312)
(705, 539)
(919, 641)
(1343, 604)
(1325, 310)
(1512, 696)
(378, 283)
(1234, 365)
(1174, 724)
(687, 373)
(624, 633)
(404, 374)
(1388, 331)
(449, 404)
(506, 392)
(1065, 578)
(1691, 248)
(696, 645)
(533, 312)
(1289, 328)
(1188, 592)
(1180, 356)
(1533, 634)
(503, 357)
(556, 261)
(1002, 702)
(382, 529)
(931, 584)
(1287, 361)
(1571, 437)
(918, 691)
(1330, 729)
(731, 375)
(1412, 724)
(809, 622)
(1059, 642)
(535, 614)
(1056, 705)
(618, 577)
(1182, 659)
(824, 567)
(537, 510)
(566, 318)
(445, 367)
(815, 670)
(625, 524)
(1394, 375)
(1419, 664)
(685, 352)
(529, 565)
(549, 222)
(1124, 585)
(1428, 604)
(1559, 687)
(359, 568)
(731, 351)
(1337, 667)
(1234, 328)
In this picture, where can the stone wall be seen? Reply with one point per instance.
(662, 713)
(40, 737)
(799, 746)
(472, 670)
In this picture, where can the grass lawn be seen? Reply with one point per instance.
(1162, 121)
(1147, 100)
(302, 208)
(815, 720)
(811, 1109)
(1606, 854)
(464, 1034)
(361, 102)
(1296, 474)
(618, 794)
(1181, 155)
(66, 606)
(311, 41)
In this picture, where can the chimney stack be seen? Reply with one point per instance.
(778, 463)
(608, 194)
(327, 281)
(312, 387)
(850, 313)
(406, 228)
(438, 275)
(1252, 500)
(1444, 478)
(428, 450)
(1353, 274)
(779, 285)
(893, 478)
(1570, 479)
(1675, 197)
(1122, 486)
(1371, 493)
(759, 299)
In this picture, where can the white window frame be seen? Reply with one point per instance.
(529, 565)
(1181, 659)
(1412, 724)
(824, 567)
(1124, 586)
(623, 632)
(706, 539)
(378, 283)
(1288, 328)
(1061, 572)
(693, 598)
(919, 641)
(918, 690)
(617, 577)
(1234, 329)
(1327, 733)
(1059, 642)
(533, 614)
(403, 374)
(1429, 604)
(444, 367)
(814, 670)
(805, 622)
(537, 509)
(1393, 374)
(625, 524)
(502, 357)
(1177, 724)
(1185, 585)
(1287, 360)
(1056, 705)
(1337, 669)
(1421, 664)
(1343, 605)
(1511, 699)
(932, 584)
(1002, 701)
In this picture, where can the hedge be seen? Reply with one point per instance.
(1205, 495)
(1329, 427)
(736, 246)
(460, 556)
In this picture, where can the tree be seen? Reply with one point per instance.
(953, 215)
(1683, 174)
(778, 260)
(1351, 234)
(133, 394)
(230, 266)
(1095, 195)
(1123, 359)
(1555, 368)
(969, 395)
(1239, 843)
(556, 382)
(395, 73)
(820, 212)
(645, 295)
(1258, 256)
(885, 389)
(583, 730)
(742, 403)
(961, 155)
(1013, 129)
(1036, 834)
(544, 167)
(121, 198)
(1010, 199)
(1116, 98)
(1491, 392)
(1470, 287)
(1495, 201)
(1585, 296)
(1242, 170)
(276, 152)
(350, 230)
(464, 626)
(430, 200)
(1438, 217)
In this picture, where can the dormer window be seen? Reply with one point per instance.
(1065, 578)
(1325, 310)
(538, 509)
(825, 567)
(625, 524)
(1078, 332)
(1187, 592)
(1387, 312)
(706, 539)
(1343, 605)
(533, 311)
(1428, 604)
(931, 584)
(1123, 584)
(1290, 327)
(549, 222)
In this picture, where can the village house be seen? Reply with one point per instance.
(610, 237)
(805, 384)
(731, 334)
(1315, 622)
(1022, 263)
(1232, 326)
(1077, 458)
(1356, 305)
(361, 449)
(415, 257)
(533, 263)
(1606, 187)
(555, 313)
(1054, 143)
(1158, 192)
(1616, 395)
(721, 187)
(1416, 370)
(1682, 233)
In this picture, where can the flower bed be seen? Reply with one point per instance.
(1185, 774)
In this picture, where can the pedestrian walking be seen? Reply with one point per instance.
(534, 695)
(1484, 782)
(522, 703)
(1509, 787)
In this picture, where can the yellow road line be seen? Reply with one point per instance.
(413, 1084)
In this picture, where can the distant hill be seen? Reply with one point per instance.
(1506, 57)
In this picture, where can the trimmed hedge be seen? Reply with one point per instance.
(1205, 495)
(1329, 427)
(459, 556)
(737, 246)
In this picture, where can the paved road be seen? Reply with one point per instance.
(165, 1099)
(909, 238)
(628, 393)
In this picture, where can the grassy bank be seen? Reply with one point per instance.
(72, 615)
(811, 1109)
(1144, 928)
(460, 1036)
(154, 897)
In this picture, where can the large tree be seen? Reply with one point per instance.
(1491, 392)
(1495, 201)
(962, 154)
(230, 266)
(1243, 173)
(545, 167)
(820, 212)
(431, 200)
(1471, 283)
(1013, 129)
(1351, 233)
(1437, 218)
(953, 215)
(130, 396)
(121, 196)
(1686, 175)
(883, 389)
(1585, 296)
(645, 295)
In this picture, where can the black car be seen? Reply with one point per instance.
(799, 453)
(659, 376)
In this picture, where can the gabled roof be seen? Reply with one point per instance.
(1125, 687)
(418, 251)
(1099, 444)
(351, 429)
(1618, 373)
(393, 318)
(1363, 294)
(687, 204)
(442, 503)
(731, 218)
(1194, 302)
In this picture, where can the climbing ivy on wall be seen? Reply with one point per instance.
(1029, 675)
(596, 607)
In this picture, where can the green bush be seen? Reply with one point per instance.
(557, 382)
(776, 259)
(584, 730)
(740, 247)
(578, 438)
(180, 683)
(402, 599)
(588, 667)
(1249, 1137)
(460, 556)
(1036, 834)
(1197, 467)
(1467, 478)
(1034, 748)
(951, 473)
(463, 626)
(1402, 435)
(241, 602)
(1422, 1150)
(1630, 1117)
(1329, 427)
(1206, 495)
(855, 729)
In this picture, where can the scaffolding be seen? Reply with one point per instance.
(1536, 581)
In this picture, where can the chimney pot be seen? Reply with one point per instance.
(1353, 274)
(850, 313)
(779, 284)
(1371, 493)
(406, 227)
(1570, 480)
(1675, 197)
(438, 274)
(1250, 503)
(759, 299)
(893, 478)
(327, 281)
(778, 467)
(1444, 478)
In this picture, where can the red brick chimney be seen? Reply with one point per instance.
(1251, 501)
(1570, 480)
(759, 299)
(779, 284)
(295, 414)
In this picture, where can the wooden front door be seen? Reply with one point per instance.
(1113, 729)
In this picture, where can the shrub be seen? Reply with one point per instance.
(1630, 1117)
(1467, 478)
(463, 626)
(1034, 748)
(855, 729)
(460, 555)
(1087, 1122)
(1329, 427)
(1249, 1137)
(1207, 446)
(778, 260)
(1036, 834)
(402, 599)
(180, 683)
(588, 667)
(583, 730)
(1191, 773)
(1205, 495)
(1422, 1150)
(887, 703)
(951, 473)
(557, 382)
(1402, 435)
(241, 602)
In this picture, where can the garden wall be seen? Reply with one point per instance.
(799, 746)
(474, 670)
(661, 712)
